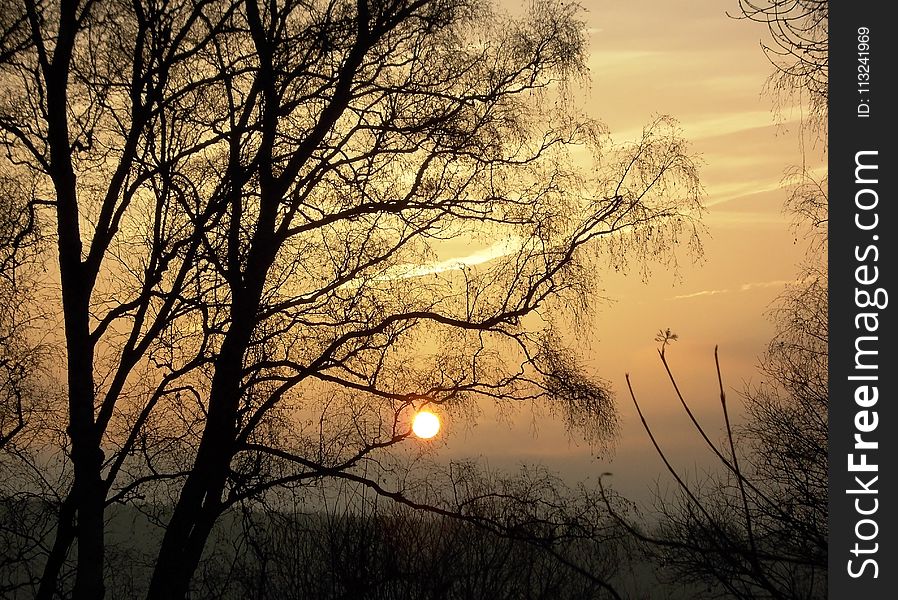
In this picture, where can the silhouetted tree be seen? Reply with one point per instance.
(497, 537)
(798, 48)
(25, 380)
(758, 528)
(249, 202)
(20, 356)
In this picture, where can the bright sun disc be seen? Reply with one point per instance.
(426, 424)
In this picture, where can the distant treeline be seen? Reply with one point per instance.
(367, 550)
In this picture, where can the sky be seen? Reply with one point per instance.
(689, 60)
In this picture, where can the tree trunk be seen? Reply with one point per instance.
(65, 535)
(87, 457)
(199, 505)
(76, 282)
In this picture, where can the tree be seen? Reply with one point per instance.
(798, 49)
(20, 356)
(519, 536)
(249, 200)
(24, 359)
(758, 528)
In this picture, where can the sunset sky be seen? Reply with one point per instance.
(692, 61)
(333, 299)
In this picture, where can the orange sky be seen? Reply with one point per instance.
(691, 61)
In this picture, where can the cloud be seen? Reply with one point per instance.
(745, 287)
(701, 293)
(712, 126)
(767, 284)
(503, 247)
(746, 220)
(728, 192)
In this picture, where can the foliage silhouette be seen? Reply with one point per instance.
(249, 204)
(759, 528)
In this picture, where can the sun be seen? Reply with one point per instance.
(425, 424)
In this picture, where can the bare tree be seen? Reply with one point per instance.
(798, 48)
(483, 536)
(86, 87)
(787, 425)
(757, 527)
(249, 204)
(24, 378)
(20, 354)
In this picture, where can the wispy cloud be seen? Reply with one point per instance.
(745, 287)
(767, 284)
(503, 247)
(734, 190)
(714, 125)
(700, 293)
(726, 124)
(739, 189)
(747, 219)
